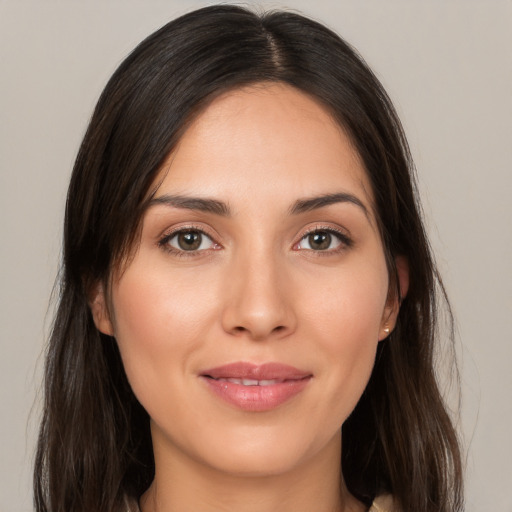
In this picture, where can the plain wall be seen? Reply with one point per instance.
(448, 67)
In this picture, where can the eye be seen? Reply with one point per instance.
(188, 240)
(323, 240)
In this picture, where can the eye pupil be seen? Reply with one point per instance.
(189, 240)
(320, 240)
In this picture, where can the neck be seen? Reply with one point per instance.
(184, 485)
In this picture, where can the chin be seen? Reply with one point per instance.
(260, 463)
(265, 453)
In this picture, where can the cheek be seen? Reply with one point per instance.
(156, 325)
(347, 320)
(350, 305)
(150, 305)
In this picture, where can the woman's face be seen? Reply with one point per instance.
(249, 317)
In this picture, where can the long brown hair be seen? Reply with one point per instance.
(94, 450)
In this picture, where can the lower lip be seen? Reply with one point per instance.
(257, 398)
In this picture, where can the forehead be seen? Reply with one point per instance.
(271, 140)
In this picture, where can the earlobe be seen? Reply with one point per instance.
(99, 310)
(394, 299)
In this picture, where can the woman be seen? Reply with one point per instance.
(248, 303)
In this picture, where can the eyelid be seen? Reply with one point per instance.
(170, 233)
(342, 235)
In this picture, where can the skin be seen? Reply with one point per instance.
(256, 290)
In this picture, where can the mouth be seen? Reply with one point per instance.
(249, 382)
(256, 388)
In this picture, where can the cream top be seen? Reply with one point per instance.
(383, 504)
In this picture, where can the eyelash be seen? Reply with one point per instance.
(163, 243)
(345, 241)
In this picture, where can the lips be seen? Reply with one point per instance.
(256, 388)
(252, 382)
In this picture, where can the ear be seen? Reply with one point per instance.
(393, 302)
(99, 310)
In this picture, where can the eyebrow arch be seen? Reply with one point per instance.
(312, 203)
(193, 203)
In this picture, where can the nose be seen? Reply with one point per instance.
(258, 303)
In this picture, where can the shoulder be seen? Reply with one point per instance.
(384, 503)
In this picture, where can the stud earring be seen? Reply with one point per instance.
(386, 330)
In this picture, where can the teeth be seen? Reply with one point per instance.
(250, 382)
(233, 381)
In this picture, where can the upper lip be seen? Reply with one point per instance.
(266, 371)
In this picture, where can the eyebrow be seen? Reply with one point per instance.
(193, 203)
(220, 208)
(312, 203)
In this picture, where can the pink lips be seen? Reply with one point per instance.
(256, 388)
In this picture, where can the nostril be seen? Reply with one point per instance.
(238, 330)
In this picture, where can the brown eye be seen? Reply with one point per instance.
(190, 240)
(322, 240)
(319, 241)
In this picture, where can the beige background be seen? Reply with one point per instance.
(448, 67)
